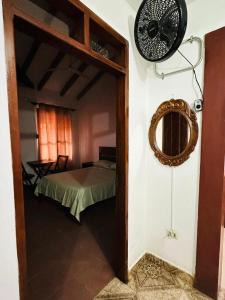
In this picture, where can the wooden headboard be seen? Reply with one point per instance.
(107, 153)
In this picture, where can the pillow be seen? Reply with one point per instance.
(103, 164)
(113, 166)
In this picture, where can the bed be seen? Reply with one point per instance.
(78, 189)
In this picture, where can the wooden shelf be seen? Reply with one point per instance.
(46, 33)
(106, 44)
(81, 27)
(70, 15)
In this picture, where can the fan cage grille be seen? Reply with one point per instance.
(160, 27)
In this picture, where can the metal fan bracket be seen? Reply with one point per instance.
(191, 40)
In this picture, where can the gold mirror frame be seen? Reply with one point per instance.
(178, 106)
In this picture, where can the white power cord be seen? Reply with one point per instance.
(171, 234)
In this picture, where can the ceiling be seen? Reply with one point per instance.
(43, 68)
(34, 59)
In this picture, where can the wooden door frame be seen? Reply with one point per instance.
(211, 212)
(122, 73)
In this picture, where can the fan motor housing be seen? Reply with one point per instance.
(153, 28)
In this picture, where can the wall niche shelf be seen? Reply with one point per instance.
(76, 22)
(107, 44)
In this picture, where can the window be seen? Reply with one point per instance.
(54, 132)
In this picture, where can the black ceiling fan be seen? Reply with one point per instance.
(160, 27)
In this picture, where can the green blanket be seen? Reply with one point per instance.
(80, 188)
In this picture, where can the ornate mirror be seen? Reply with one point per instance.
(173, 133)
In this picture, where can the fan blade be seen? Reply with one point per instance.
(168, 14)
(142, 29)
(168, 37)
(168, 26)
(165, 38)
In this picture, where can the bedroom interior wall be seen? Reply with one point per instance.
(96, 119)
(27, 131)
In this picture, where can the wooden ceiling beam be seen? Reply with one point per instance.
(69, 84)
(30, 56)
(90, 84)
(34, 48)
(53, 65)
(73, 79)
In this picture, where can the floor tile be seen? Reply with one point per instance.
(196, 295)
(152, 273)
(167, 294)
(116, 290)
(154, 279)
(222, 295)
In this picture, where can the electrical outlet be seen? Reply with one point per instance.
(198, 105)
(171, 234)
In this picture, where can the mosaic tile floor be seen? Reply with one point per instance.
(153, 279)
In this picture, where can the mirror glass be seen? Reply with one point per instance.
(172, 134)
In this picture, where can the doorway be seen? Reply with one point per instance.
(91, 26)
(211, 199)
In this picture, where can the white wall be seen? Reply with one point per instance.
(9, 288)
(223, 265)
(96, 116)
(149, 181)
(204, 16)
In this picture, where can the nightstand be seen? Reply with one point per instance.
(87, 164)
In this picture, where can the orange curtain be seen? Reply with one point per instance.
(55, 132)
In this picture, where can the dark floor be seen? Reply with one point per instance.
(66, 260)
